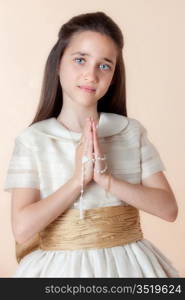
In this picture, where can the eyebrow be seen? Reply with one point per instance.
(87, 54)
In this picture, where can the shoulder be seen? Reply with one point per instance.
(115, 123)
(124, 126)
(135, 124)
(123, 119)
(30, 136)
(132, 125)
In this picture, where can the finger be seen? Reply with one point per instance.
(87, 140)
(95, 138)
(99, 164)
(90, 143)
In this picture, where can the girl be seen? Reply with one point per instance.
(82, 170)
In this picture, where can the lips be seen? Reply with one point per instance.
(87, 88)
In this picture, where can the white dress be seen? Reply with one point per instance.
(43, 158)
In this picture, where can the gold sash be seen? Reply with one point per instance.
(102, 227)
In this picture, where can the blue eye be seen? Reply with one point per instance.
(78, 59)
(105, 65)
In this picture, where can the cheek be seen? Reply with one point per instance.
(73, 72)
(67, 74)
(106, 80)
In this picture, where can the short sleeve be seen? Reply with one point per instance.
(22, 170)
(151, 161)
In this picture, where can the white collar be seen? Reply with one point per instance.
(109, 124)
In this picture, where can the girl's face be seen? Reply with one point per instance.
(88, 61)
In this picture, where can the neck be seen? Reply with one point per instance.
(75, 121)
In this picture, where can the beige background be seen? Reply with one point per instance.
(154, 33)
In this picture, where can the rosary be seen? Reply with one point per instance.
(84, 160)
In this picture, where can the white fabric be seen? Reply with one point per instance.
(43, 158)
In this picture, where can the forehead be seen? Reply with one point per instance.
(95, 43)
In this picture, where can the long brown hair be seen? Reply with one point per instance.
(51, 99)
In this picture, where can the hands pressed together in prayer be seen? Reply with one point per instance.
(90, 156)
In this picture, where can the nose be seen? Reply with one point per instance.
(90, 74)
